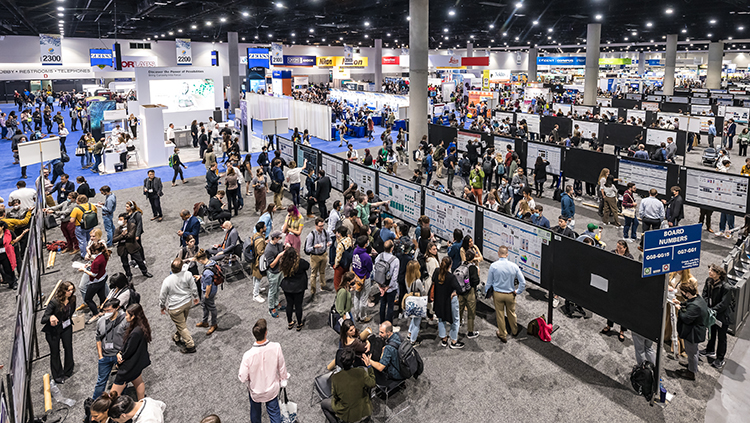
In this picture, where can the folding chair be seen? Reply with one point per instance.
(387, 387)
(321, 388)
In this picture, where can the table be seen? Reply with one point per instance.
(357, 131)
(110, 159)
(399, 124)
(377, 119)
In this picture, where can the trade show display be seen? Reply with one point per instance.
(316, 118)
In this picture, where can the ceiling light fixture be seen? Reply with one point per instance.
(549, 29)
(712, 21)
(245, 14)
(634, 33)
(312, 30)
(408, 18)
(256, 37)
(598, 17)
(516, 38)
(709, 35)
(171, 33)
(194, 26)
(270, 35)
(451, 12)
(279, 5)
(367, 23)
(445, 29)
(741, 28)
(649, 24)
(223, 19)
(492, 26)
(61, 8)
(505, 34)
(367, 36)
(519, 5)
(243, 38)
(669, 11)
(61, 14)
(294, 34)
(208, 23)
(179, 30)
(684, 30)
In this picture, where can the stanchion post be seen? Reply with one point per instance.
(659, 346)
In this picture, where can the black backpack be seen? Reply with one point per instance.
(377, 242)
(89, 220)
(465, 167)
(423, 274)
(487, 166)
(409, 360)
(135, 298)
(642, 379)
(462, 275)
(346, 258)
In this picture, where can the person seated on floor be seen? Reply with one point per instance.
(352, 339)
(231, 237)
(388, 365)
(216, 209)
(350, 391)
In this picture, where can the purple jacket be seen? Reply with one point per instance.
(361, 262)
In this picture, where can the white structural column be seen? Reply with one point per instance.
(418, 47)
(671, 60)
(234, 71)
(469, 51)
(715, 56)
(641, 63)
(378, 65)
(533, 53)
(591, 78)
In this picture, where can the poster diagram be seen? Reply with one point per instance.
(720, 190)
(524, 243)
(638, 114)
(658, 136)
(335, 170)
(532, 121)
(644, 175)
(561, 107)
(587, 128)
(309, 154)
(287, 150)
(582, 110)
(182, 95)
(548, 152)
(404, 198)
(363, 177)
(447, 213)
(464, 137)
(505, 115)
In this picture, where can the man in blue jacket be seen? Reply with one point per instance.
(277, 175)
(568, 206)
(190, 226)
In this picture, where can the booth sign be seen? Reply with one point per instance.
(672, 249)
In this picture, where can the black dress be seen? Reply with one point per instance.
(443, 295)
(135, 357)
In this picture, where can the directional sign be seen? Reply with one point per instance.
(671, 250)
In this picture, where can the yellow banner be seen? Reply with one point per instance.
(338, 61)
(486, 79)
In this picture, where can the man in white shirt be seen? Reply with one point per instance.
(176, 292)
(26, 196)
(211, 125)
(170, 133)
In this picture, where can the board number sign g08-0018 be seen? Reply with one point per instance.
(671, 250)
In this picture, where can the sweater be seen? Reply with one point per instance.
(177, 290)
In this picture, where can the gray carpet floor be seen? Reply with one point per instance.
(580, 376)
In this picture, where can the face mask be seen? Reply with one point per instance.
(16, 207)
(108, 315)
(536, 214)
(120, 222)
(225, 230)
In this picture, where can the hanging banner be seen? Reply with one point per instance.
(562, 61)
(391, 60)
(184, 51)
(338, 61)
(101, 57)
(258, 58)
(348, 54)
(485, 80)
(51, 48)
(277, 54)
(296, 60)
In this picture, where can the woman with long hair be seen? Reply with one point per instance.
(468, 244)
(233, 191)
(8, 256)
(540, 175)
(609, 195)
(100, 408)
(415, 287)
(247, 171)
(294, 283)
(293, 224)
(445, 303)
(602, 179)
(134, 356)
(675, 348)
(260, 187)
(145, 410)
(351, 338)
(58, 327)
(97, 284)
(343, 301)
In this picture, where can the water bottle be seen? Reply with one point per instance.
(58, 396)
(662, 392)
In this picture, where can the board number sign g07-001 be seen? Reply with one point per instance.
(671, 250)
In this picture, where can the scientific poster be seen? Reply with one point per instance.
(183, 95)
(364, 177)
(658, 136)
(404, 198)
(549, 152)
(464, 137)
(287, 149)
(588, 129)
(720, 190)
(532, 121)
(524, 243)
(334, 168)
(645, 176)
(447, 213)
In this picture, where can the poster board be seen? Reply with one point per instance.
(506, 115)
(699, 109)
(286, 147)
(447, 213)
(683, 120)
(658, 136)
(716, 190)
(43, 150)
(524, 241)
(307, 153)
(700, 123)
(550, 152)
(638, 114)
(334, 168)
(464, 137)
(18, 372)
(564, 108)
(364, 177)
(644, 175)
(532, 121)
(585, 165)
(582, 110)
(587, 129)
(404, 198)
(614, 111)
(650, 106)
(739, 114)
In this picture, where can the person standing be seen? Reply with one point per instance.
(170, 133)
(292, 227)
(316, 246)
(108, 211)
(628, 211)
(277, 183)
(719, 295)
(212, 181)
(691, 326)
(294, 179)
(83, 209)
(177, 291)
(152, 189)
(445, 304)
(258, 244)
(127, 245)
(208, 288)
(385, 274)
(609, 197)
(233, 191)
(191, 226)
(675, 209)
(176, 163)
(711, 133)
(260, 187)
(468, 274)
(294, 283)
(263, 371)
(362, 268)
(651, 211)
(133, 123)
(134, 356)
(322, 193)
(272, 255)
(501, 279)
(59, 328)
(110, 337)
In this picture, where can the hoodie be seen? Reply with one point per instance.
(361, 262)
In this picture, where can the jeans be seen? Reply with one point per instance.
(454, 324)
(468, 302)
(256, 286)
(273, 289)
(209, 308)
(726, 220)
(632, 224)
(429, 177)
(386, 306)
(83, 235)
(109, 228)
(104, 368)
(644, 349)
(451, 174)
(414, 328)
(294, 190)
(83, 161)
(294, 306)
(155, 201)
(719, 333)
(272, 408)
(359, 301)
(97, 162)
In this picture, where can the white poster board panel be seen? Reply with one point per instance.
(504, 115)
(565, 108)
(404, 198)
(44, 150)
(334, 168)
(587, 128)
(582, 110)
(700, 123)
(287, 150)
(464, 137)
(720, 190)
(613, 111)
(658, 136)
(650, 106)
(532, 121)
(644, 175)
(683, 120)
(548, 152)
(524, 243)
(362, 176)
(603, 101)
(699, 109)
(446, 213)
(637, 114)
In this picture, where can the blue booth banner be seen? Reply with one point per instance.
(51, 49)
(101, 57)
(299, 60)
(562, 61)
(672, 249)
(258, 58)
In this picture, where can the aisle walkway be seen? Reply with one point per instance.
(731, 399)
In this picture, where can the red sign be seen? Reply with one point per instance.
(475, 61)
(391, 60)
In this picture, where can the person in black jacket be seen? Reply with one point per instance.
(152, 189)
(134, 356)
(675, 210)
(294, 283)
(691, 326)
(58, 327)
(540, 175)
(176, 163)
(203, 141)
(216, 208)
(322, 193)
(472, 150)
(194, 132)
(310, 189)
(63, 187)
(719, 294)
(212, 181)
(445, 304)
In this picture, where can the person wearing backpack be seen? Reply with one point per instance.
(343, 258)
(488, 166)
(85, 218)
(415, 287)
(451, 165)
(439, 157)
(389, 364)
(178, 294)
(110, 338)
(211, 277)
(467, 276)
(445, 288)
(316, 246)
(175, 163)
(719, 294)
(385, 274)
(362, 268)
(272, 256)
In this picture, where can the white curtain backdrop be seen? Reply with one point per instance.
(316, 118)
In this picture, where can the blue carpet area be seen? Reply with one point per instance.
(10, 173)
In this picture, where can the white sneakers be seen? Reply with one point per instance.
(259, 299)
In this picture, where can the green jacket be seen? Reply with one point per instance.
(343, 301)
(476, 179)
(744, 139)
(350, 395)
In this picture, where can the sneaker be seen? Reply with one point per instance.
(728, 235)
(259, 299)
(457, 345)
(555, 302)
(443, 343)
(706, 353)
(718, 364)
(416, 343)
(719, 233)
(273, 313)
(472, 335)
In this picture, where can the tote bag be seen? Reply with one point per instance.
(288, 409)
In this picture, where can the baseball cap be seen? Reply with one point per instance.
(592, 227)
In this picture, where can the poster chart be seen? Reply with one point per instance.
(700, 123)
(739, 114)
(549, 152)
(334, 170)
(464, 137)
(638, 114)
(658, 136)
(613, 111)
(683, 120)
(699, 109)
(524, 243)
(650, 106)
(677, 99)
(644, 175)
(287, 149)
(582, 110)
(587, 128)
(719, 190)
(564, 108)
(501, 143)
(307, 153)
(532, 121)
(446, 213)
(362, 176)
(505, 115)
(404, 198)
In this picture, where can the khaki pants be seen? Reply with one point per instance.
(179, 317)
(439, 168)
(468, 301)
(505, 302)
(318, 265)
(277, 197)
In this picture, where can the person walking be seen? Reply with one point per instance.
(294, 283)
(57, 328)
(467, 275)
(258, 243)
(208, 288)
(152, 189)
(110, 338)
(97, 278)
(134, 356)
(125, 239)
(86, 210)
(501, 279)
(292, 227)
(263, 372)
(177, 291)
(176, 163)
(272, 256)
(609, 196)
